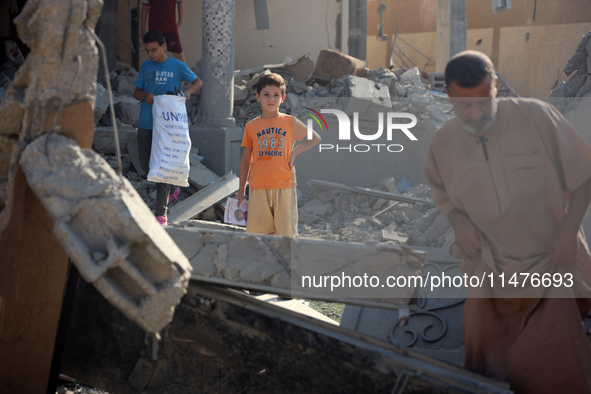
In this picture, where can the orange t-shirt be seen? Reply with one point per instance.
(272, 141)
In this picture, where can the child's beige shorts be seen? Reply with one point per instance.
(273, 211)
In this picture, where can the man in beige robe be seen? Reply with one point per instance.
(514, 179)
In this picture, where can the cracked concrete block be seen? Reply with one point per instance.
(124, 83)
(317, 208)
(107, 230)
(252, 83)
(367, 98)
(241, 94)
(323, 194)
(127, 109)
(277, 264)
(201, 176)
(205, 198)
(59, 71)
(104, 139)
(376, 223)
(101, 104)
(408, 214)
(334, 65)
(307, 218)
(390, 234)
(390, 183)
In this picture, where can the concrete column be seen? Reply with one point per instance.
(358, 29)
(217, 96)
(216, 136)
(451, 30)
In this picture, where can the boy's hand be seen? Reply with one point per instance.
(293, 156)
(150, 98)
(240, 197)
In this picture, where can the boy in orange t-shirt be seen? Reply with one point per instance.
(268, 155)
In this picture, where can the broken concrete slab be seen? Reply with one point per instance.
(254, 80)
(241, 94)
(101, 104)
(368, 192)
(408, 214)
(389, 233)
(282, 265)
(208, 225)
(107, 230)
(124, 83)
(367, 98)
(334, 65)
(317, 207)
(59, 74)
(221, 189)
(201, 176)
(104, 139)
(389, 183)
(301, 69)
(127, 109)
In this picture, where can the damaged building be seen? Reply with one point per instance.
(92, 287)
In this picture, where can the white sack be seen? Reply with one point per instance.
(169, 160)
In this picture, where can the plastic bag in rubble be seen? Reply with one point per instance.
(171, 143)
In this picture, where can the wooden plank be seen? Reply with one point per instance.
(205, 198)
(30, 321)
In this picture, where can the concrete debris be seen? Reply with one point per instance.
(317, 208)
(241, 94)
(367, 98)
(578, 85)
(326, 213)
(101, 104)
(201, 176)
(252, 83)
(127, 109)
(334, 65)
(124, 83)
(369, 192)
(348, 216)
(206, 198)
(280, 265)
(104, 139)
(107, 231)
(389, 183)
(379, 90)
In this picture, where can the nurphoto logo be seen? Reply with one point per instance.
(392, 125)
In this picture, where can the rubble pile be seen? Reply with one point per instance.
(408, 93)
(326, 214)
(354, 217)
(579, 85)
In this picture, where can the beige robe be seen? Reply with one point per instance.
(512, 185)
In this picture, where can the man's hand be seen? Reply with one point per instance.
(564, 248)
(150, 98)
(468, 238)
